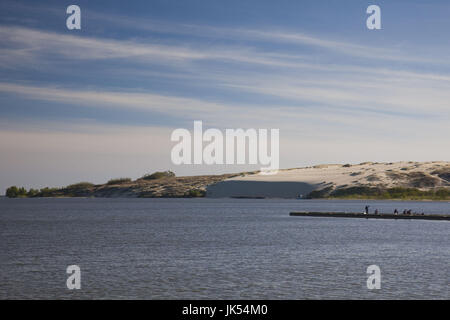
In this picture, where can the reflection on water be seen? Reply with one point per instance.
(218, 249)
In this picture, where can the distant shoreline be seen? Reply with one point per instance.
(238, 198)
(400, 181)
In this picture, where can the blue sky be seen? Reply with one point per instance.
(101, 102)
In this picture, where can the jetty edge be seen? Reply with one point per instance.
(371, 216)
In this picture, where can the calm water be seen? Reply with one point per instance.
(218, 249)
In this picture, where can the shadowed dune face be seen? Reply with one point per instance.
(236, 188)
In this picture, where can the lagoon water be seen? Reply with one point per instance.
(218, 249)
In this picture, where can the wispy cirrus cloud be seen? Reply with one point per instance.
(21, 43)
(271, 34)
(274, 35)
(342, 110)
(111, 99)
(41, 43)
(357, 85)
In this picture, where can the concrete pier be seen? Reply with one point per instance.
(372, 216)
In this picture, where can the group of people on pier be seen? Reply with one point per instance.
(405, 212)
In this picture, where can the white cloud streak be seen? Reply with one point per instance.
(271, 36)
(111, 99)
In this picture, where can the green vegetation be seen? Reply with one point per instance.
(14, 192)
(322, 193)
(80, 185)
(119, 181)
(77, 189)
(32, 193)
(415, 179)
(158, 175)
(47, 192)
(196, 193)
(80, 189)
(382, 194)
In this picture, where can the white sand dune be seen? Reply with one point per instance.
(291, 183)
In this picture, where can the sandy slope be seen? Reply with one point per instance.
(290, 183)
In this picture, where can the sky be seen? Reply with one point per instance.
(101, 102)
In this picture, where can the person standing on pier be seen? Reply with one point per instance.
(367, 210)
